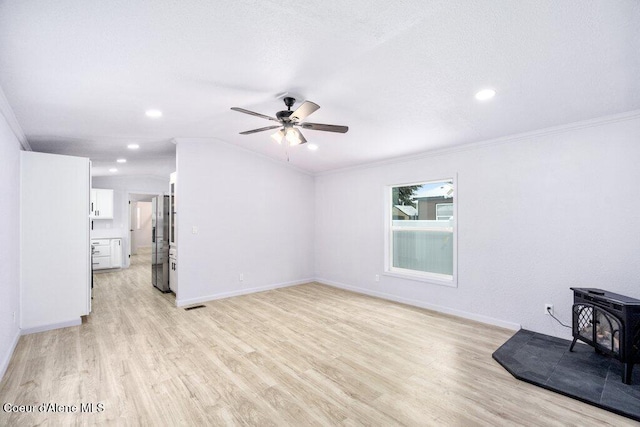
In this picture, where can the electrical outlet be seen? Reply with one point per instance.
(377, 277)
(241, 277)
(548, 309)
(194, 230)
(14, 317)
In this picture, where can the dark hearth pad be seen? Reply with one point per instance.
(583, 374)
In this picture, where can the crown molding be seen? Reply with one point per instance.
(569, 127)
(10, 117)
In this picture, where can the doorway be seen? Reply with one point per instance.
(140, 220)
(146, 246)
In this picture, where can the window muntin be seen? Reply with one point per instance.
(422, 231)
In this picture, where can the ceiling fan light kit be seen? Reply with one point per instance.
(292, 135)
(289, 121)
(278, 136)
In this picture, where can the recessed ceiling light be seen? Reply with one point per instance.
(121, 160)
(113, 170)
(312, 147)
(133, 146)
(154, 114)
(485, 94)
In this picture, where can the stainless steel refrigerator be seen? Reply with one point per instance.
(160, 243)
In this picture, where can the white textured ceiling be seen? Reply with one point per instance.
(80, 74)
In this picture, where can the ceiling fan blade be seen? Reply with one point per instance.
(248, 132)
(326, 128)
(303, 111)
(253, 113)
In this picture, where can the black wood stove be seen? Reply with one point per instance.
(610, 323)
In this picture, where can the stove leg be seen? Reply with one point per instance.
(573, 343)
(626, 372)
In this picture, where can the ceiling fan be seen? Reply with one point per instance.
(289, 121)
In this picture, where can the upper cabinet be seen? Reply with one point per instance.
(101, 203)
(173, 206)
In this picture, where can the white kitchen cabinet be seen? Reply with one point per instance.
(116, 253)
(173, 270)
(101, 262)
(101, 203)
(107, 253)
(173, 206)
(173, 247)
(101, 258)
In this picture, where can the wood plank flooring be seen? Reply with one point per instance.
(302, 356)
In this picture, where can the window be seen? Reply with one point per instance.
(444, 211)
(421, 231)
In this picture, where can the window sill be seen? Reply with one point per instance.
(435, 279)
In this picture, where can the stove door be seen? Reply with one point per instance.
(583, 322)
(597, 327)
(607, 332)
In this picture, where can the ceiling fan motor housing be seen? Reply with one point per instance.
(283, 115)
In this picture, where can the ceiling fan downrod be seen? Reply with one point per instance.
(289, 101)
(284, 114)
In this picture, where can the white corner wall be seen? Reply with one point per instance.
(9, 243)
(536, 216)
(55, 255)
(252, 216)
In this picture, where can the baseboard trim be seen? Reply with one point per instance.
(7, 357)
(416, 303)
(221, 295)
(52, 326)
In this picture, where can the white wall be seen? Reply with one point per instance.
(9, 242)
(536, 215)
(254, 216)
(123, 186)
(55, 264)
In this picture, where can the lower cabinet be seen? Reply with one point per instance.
(173, 270)
(101, 262)
(116, 253)
(107, 253)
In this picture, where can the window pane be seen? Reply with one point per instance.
(428, 251)
(422, 227)
(444, 211)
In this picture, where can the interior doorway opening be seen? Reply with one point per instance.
(148, 239)
(140, 222)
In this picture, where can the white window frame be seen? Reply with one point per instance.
(421, 276)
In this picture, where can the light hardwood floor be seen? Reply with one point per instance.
(304, 355)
